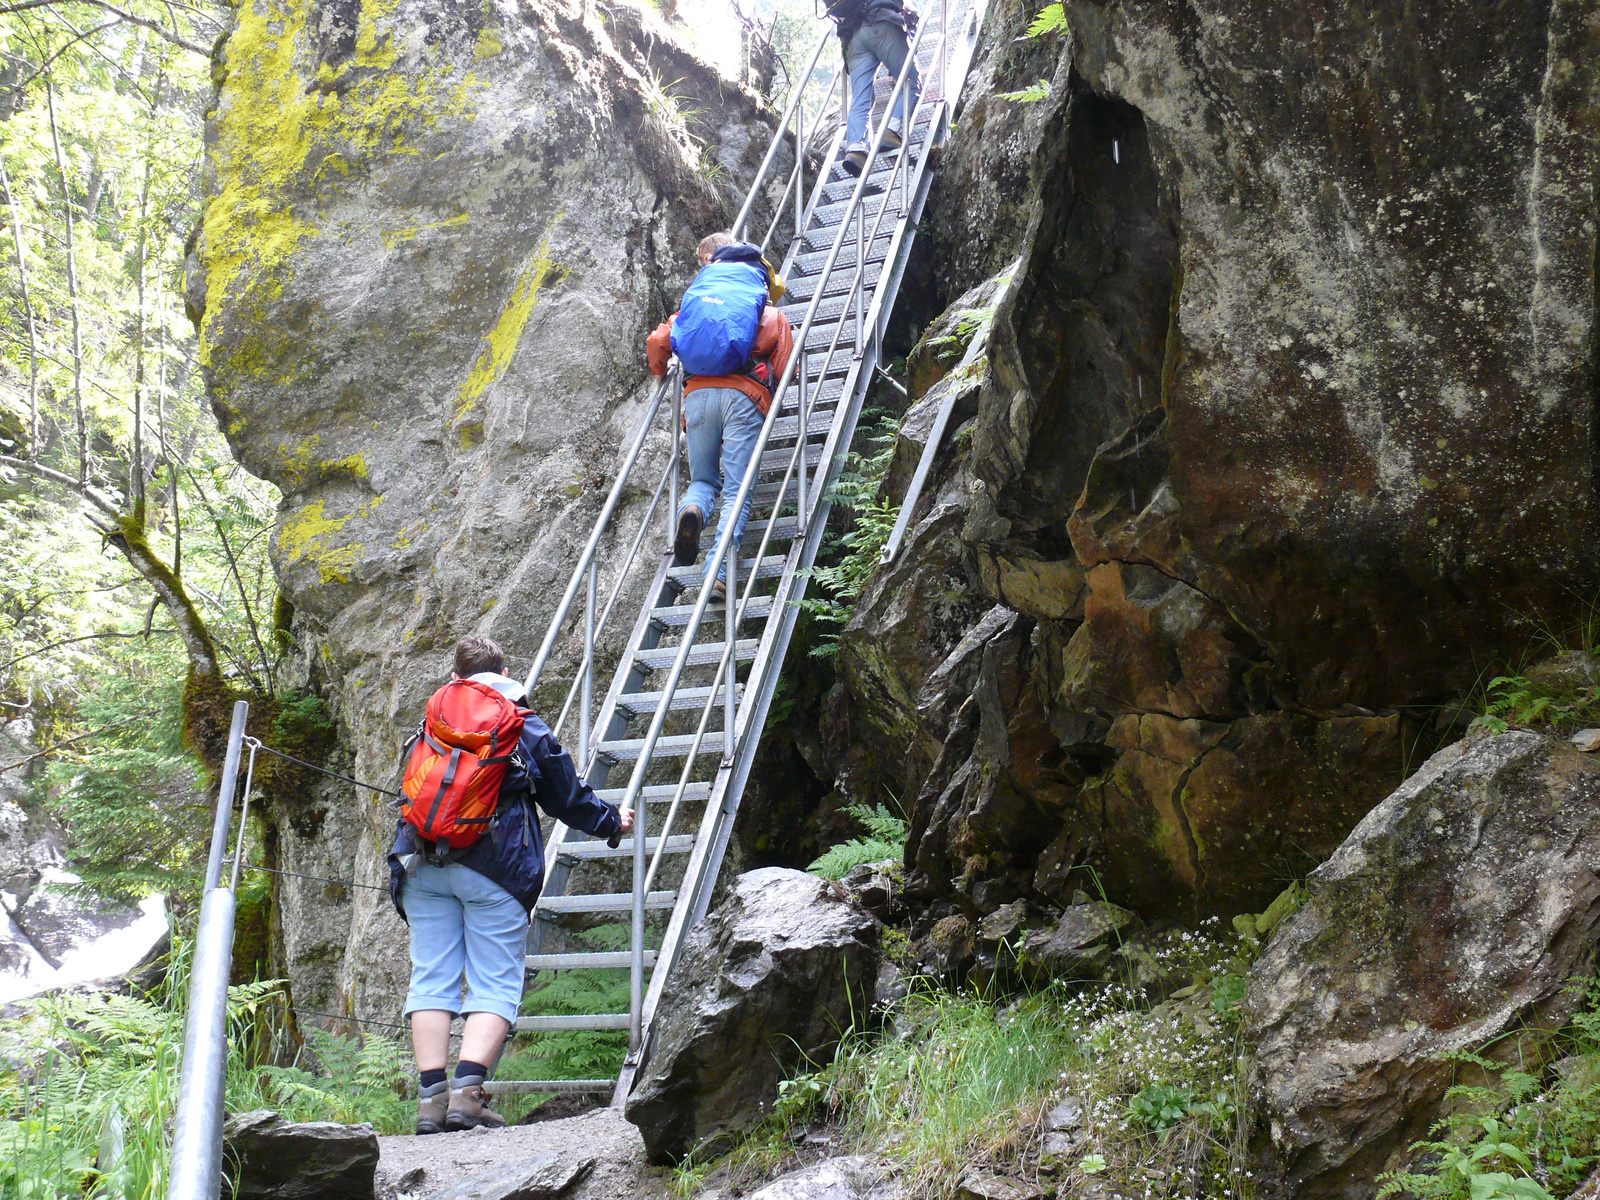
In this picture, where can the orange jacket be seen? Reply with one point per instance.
(774, 342)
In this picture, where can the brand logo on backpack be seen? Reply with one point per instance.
(453, 775)
(716, 325)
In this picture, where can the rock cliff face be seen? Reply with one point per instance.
(1284, 427)
(434, 238)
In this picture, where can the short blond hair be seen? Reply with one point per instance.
(713, 242)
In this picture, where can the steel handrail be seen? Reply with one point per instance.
(777, 138)
(196, 1166)
(600, 526)
(690, 887)
(725, 539)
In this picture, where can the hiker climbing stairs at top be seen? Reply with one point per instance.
(673, 733)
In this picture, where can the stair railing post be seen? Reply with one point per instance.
(677, 454)
(805, 430)
(799, 165)
(641, 811)
(731, 596)
(588, 667)
(196, 1171)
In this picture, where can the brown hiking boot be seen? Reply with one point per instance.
(892, 139)
(686, 548)
(431, 1108)
(469, 1108)
(852, 162)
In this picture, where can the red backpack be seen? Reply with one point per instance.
(458, 761)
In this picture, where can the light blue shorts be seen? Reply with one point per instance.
(463, 923)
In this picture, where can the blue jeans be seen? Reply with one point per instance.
(880, 42)
(462, 922)
(723, 425)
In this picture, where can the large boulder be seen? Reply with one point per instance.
(769, 983)
(1454, 918)
(273, 1159)
(1283, 427)
(434, 237)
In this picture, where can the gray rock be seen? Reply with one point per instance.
(768, 983)
(852, 1177)
(878, 888)
(546, 1177)
(1082, 944)
(434, 346)
(273, 1159)
(1066, 1115)
(893, 986)
(984, 1185)
(1456, 913)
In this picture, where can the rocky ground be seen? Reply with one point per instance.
(601, 1155)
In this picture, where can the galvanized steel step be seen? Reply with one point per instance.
(572, 1021)
(703, 654)
(597, 849)
(602, 902)
(658, 793)
(768, 568)
(757, 608)
(550, 1087)
(667, 746)
(642, 704)
(586, 960)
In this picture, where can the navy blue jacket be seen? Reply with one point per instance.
(512, 852)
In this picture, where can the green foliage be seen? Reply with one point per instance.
(1517, 1136)
(82, 1072)
(1160, 1106)
(1518, 700)
(1031, 94)
(1051, 19)
(872, 521)
(947, 1089)
(886, 838)
(360, 1079)
(957, 1079)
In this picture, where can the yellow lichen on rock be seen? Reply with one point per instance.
(500, 343)
(310, 536)
(285, 131)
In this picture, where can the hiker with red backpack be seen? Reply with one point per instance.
(733, 342)
(873, 32)
(467, 867)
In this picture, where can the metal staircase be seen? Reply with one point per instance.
(683, 683)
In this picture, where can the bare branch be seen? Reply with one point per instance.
(82, 737)
(90, 493)
(144, 22)
(88, 637)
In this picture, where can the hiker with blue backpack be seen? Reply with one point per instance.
(733, 342)
(467, 867)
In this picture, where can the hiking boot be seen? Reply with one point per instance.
(719, 591)
(852, 162)
(432, 1107)
(686, 548)
(469, 1109)
(891, 139)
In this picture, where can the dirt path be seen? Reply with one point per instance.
(551, 1149)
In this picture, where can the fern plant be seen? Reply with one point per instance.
(363, 1079)
(874, 516)
(886, 838)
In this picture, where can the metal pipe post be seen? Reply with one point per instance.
(805, 429)
(588, 668)
(230, 776)
(677, 451)
(731, 595)
(636, 966)
(197, 1133)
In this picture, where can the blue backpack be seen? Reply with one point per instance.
(716, 325)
